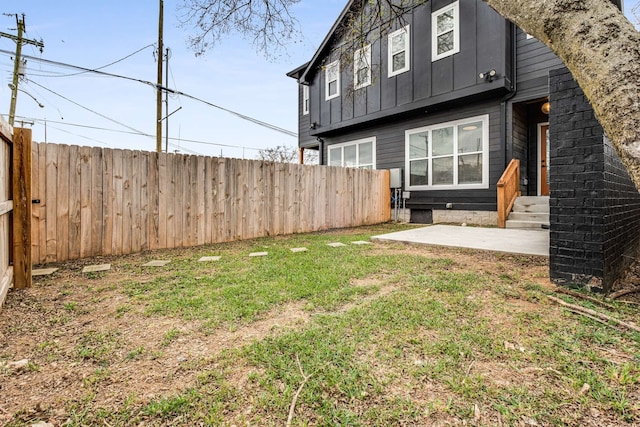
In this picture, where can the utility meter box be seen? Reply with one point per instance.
(396, 178)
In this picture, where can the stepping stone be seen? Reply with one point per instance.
(96, 268)
(257, 254)
(361, 242)
(156, 263)
(336, 245)
(296, 250)
(43, 271)
(209, 258)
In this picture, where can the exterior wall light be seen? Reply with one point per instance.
(546, 107)
(488, 76)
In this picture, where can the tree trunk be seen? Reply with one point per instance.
(601, 48)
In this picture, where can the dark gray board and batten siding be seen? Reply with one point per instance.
(533, 62)
(484, 45)
(390, 153)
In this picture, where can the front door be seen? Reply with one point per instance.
(543, 155)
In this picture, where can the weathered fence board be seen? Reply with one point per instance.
(6, 207)
(22, 213)
(109, 202)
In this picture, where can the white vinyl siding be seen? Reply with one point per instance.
(362, 67)
(354, 154)
(445, 32)
(398, 51)
(332, 80)
(453, 155)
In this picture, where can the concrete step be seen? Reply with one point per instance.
(529, 225)
(529, 212)
(542, 217)
(531, 204)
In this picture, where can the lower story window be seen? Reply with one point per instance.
(354, 154)
(452, 155)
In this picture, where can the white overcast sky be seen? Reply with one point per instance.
(94, 33)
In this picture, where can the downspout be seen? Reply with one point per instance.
(320, 151)
(510, 95)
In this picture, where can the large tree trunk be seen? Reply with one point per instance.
(601, 48)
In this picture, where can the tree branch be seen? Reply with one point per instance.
(585, 297)
(589, 313)
(623, 292)
(292, 407)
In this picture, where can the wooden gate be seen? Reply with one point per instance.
(6, 207)
(15, 208)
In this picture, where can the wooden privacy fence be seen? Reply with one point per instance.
(97, 201)
(6, 206)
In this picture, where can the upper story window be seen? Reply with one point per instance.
(445, 24)
(453, 155)
(305, 99)
(362, 67)
(398, 51)
(332, 80)
(354, 154)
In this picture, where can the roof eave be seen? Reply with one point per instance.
(326, 42)
(297, 72)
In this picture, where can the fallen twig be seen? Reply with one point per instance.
(594, 318)
(629, 302)
(536, 369)
(585, 297)
(469, 369)
(622, 292)
(587, 311)
(292, 407)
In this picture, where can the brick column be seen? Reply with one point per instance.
(594, 206)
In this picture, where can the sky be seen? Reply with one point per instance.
(94, 33)
(110, 112)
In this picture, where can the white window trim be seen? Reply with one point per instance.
(485, 155)
(305, 100)
(326, 80)
(360, 53)
(407, 52)
(356, 143)
(456, 31)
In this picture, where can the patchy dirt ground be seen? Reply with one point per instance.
(64, 343)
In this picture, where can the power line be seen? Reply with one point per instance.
(98, 68)
(97, 128)
(160, 87)
(77, 67)
(193, 141)
(89, 109)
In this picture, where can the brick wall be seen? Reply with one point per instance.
(594, 206)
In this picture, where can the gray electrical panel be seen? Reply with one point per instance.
(396, 177)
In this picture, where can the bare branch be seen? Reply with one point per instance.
(292, 407)
(269, 24)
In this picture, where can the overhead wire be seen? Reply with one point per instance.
(92, 111)
(194, 141)
(37, 120)
(160, 87)
(98, 68)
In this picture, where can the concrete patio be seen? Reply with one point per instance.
(528, 242)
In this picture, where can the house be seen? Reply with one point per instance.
(451, 94)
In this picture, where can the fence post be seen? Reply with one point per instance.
(21, 185)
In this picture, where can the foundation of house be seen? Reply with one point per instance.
(482, 218)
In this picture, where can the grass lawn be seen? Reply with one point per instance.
(360, 335)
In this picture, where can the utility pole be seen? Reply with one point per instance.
(17, 60)
(166, 99)
(159, 86)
